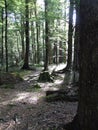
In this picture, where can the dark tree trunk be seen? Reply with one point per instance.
(60, 52)
(2, 41)
(87, 114)
(70, 34)
(6, 31)
(88, 92)
(55, 53)
(46, 36)
(26, 59)
(43, 42)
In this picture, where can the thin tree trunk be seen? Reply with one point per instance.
(46, 36)
(6, 37)
(2, 41)
(70, 34)
(37, 33)
(22, 37)
(76, 40)
(76, 46)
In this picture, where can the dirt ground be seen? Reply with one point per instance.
(25, 108)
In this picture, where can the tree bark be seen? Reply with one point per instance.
(46, 36)
(88, 91)
(37, 33)
(26, 59)
(6, 37)
(70, 34)
(87, 113)
(22, 33)
(76, 40)
(2, 41)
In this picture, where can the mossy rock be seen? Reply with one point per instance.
(45, 77)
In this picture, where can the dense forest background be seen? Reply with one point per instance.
(36, 33)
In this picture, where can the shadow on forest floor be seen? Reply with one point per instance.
(24, 107)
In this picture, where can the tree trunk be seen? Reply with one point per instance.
(37, 33)
(76, 46)
(26, 59)
(60, 52)
(88, 92)
(46, 36)
(6, 31)
(76, 40)
(87, 113)
(22, 33)
(70, 34)
(2, 41)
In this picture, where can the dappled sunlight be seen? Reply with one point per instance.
(28, 97)
(48, 86)
(58, 82)
(25, 97)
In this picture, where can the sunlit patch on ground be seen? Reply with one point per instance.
(26, 97)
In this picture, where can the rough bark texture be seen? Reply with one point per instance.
(88, 98)
(87, 114)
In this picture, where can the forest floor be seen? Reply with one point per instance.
(24, 107)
